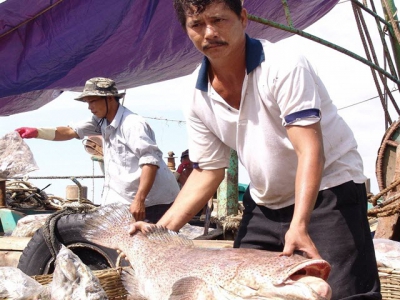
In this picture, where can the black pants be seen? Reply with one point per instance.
(338, 227)
(155, 212)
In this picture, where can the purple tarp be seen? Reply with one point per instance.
(47, 47)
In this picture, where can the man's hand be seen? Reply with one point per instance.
(140, 226)
(298, 239)
(138, 210)
(27, 132)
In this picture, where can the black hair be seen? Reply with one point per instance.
(185, 8)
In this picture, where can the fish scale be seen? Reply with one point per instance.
(168, 266)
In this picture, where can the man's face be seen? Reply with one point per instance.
(97, 105)
(217, 31)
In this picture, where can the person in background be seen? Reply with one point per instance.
(307, 188)
(184, 168)
(183, 172)
(135, 172)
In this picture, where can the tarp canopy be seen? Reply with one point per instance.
(47, 47)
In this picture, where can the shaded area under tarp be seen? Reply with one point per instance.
(47, 47)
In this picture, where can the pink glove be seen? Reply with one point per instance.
(27, 132)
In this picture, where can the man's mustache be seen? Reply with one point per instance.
(214, 43)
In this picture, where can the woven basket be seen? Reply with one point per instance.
(390, 283)
(110, 281)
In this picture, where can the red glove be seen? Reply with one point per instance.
(181, 167)
(27, 132)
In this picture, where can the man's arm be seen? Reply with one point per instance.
(62, 133)
(198, 189)
(147, 178)
(308, 144)
(65, 133)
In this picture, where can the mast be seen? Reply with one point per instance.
(390, 13)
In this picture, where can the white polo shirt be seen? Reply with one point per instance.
(279, 88)
(128, 144)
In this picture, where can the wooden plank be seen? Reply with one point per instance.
(213, 243)
(13, 243)
(212, 235)
(10, 243)
(9, 258)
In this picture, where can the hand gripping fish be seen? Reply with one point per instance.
(168, 266)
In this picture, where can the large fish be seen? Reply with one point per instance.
(167, 266)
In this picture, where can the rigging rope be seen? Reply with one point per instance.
(358, 16)
(73, 207)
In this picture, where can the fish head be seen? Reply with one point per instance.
(302, 278)
(65, 265)
(309, 267)
(267, 275)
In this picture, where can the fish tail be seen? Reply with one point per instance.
(107, 224)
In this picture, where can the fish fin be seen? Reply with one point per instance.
(100, 223)
(191, 288)
(162, 235)
(130, 282)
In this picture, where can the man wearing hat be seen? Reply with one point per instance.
(135, 172)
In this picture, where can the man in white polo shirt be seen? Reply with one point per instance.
(307, 189)
(135, 172)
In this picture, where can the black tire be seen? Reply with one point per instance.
(36, 258)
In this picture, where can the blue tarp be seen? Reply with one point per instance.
(47, 47)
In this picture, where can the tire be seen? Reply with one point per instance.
(36, 258)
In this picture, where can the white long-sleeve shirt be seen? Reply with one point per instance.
(128, 144)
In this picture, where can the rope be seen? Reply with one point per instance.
(22, 194)
(388, 207)
(68, 207)
(49, 236)
(359, 19)
(229, 223)
(375, 198)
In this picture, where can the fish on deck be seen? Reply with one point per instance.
(72, 279)
(14, 284)
(168, 266)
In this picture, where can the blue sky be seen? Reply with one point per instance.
(348, 82)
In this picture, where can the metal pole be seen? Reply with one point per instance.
(228, 191)
(2, 193)
(390, 11)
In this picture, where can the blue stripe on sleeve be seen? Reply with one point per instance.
(303, 114)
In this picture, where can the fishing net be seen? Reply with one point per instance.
(16, 158)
